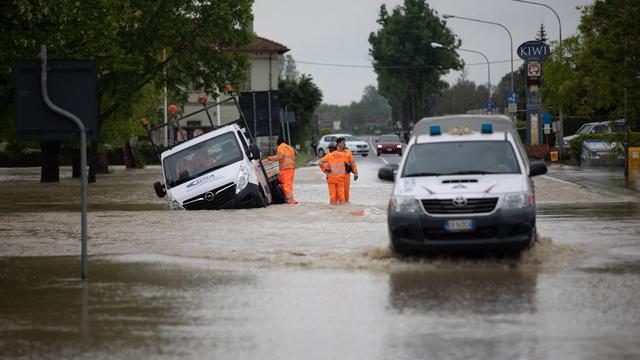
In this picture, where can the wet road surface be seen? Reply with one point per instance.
(307, 281)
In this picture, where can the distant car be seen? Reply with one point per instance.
(388, 144)
(601, 151)
(355, 145)
(599, 127)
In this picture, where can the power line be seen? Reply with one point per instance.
(398, 66)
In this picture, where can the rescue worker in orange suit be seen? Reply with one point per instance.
(286, 156)
(342, 146)
(333, 166)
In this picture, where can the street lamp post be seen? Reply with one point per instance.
(449, 16)
(437, 45)
(560, 120)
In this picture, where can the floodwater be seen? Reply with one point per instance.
(308, 281)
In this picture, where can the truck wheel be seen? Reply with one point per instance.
(263, 201)
(365, 155)
(160, 189)
(276, 193)
(321, 152)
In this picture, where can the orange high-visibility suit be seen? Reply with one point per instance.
(347, 179)
(286, 157)
(332, 164)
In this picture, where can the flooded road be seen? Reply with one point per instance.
(306, 281)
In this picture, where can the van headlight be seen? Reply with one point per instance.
(519, 200)
(404, 204)
(243, 179)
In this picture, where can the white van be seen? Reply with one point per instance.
(217, 170)
(463, 184)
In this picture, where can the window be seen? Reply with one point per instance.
(460, 158)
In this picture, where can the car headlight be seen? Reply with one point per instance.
(518, 200)
(379, 146)
(243, 179)
(405, 204)
(399, 146)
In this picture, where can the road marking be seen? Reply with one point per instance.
(560, 181)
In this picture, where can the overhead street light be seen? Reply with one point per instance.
(438, 45)
(560, 120)
(450, 16)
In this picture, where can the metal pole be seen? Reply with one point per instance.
(488, 67)
(288, 129)
(626, 115)
(269, 117)
(560, 120)
(447, 16)
(166, 132)
(84, 272)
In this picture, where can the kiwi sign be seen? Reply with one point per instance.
(533, 50)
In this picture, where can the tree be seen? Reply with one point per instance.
(288, 68)
(408, 67)
(127, 40)
(542, 34)
(302, 97)
(463, 96)
(499, 97)
(589, 73)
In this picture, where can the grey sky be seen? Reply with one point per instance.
(337, 31)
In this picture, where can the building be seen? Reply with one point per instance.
(265, 59)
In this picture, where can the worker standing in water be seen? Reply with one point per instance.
(333, 165)
(350, 166)
(286, 157)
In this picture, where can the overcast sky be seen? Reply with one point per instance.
(337, 32)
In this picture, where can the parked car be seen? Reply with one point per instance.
(595, 151)
(388, 144)
(357, 146)
(598, 127)
(464, 184)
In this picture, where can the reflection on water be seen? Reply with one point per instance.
(461, 291)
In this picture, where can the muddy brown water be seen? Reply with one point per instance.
(307, 281)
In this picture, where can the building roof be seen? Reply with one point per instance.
(262, 45)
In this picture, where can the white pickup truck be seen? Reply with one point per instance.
(219, 169)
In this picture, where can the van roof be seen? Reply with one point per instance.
(500, 123)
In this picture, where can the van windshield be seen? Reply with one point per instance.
(201, 158)
(461, 158)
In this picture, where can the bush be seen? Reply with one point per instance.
(538, 152)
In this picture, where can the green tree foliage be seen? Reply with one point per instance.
(499, 96)
(542, 34)
(463, 96)
(589, 73)
(366, 116)
(127, 40)
(408, 68)
(303, 97)
(288, 68)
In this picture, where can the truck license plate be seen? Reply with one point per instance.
(459, 225)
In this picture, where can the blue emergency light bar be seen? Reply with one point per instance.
(434, 130)
(487, 128)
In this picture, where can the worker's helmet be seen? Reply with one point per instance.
(332, 146)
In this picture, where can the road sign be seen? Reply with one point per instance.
(72, 85)
(489, 107)
(512, 97)
(547, 128)
(512, 107)
(546, 118)
(533, 50)
(534, 69)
